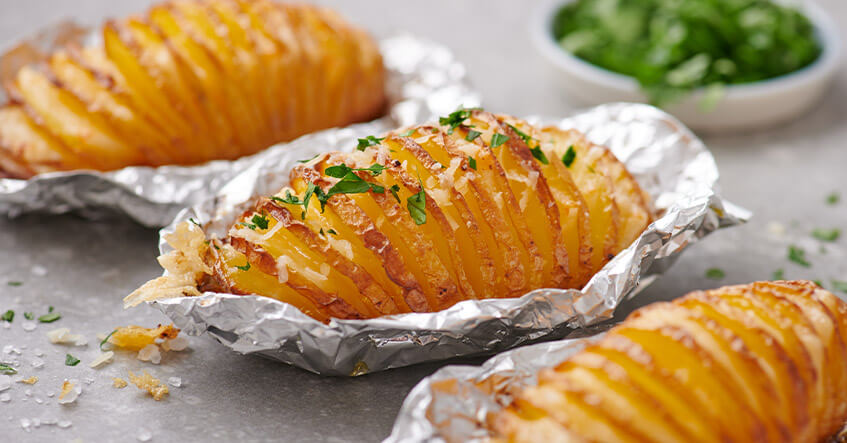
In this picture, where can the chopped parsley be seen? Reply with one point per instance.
(472, 162)
(368, 141)
(194, 222)
(260, 220)
(472, 135)
(818, 282)
(288, 199)
(106, 340)
(409, 132)
(539, 155)
(833, 198)
(828, 235)
(455, 119)
(250, 226)
(839, 285)
(523, 135)
(245, 267)
(49, 317)
(417, 206)
(14, 283)
(7, 370)
(715, 274)
(29, 315)
(393, 189)
(569, 157)
(798, 255)
(779, 274)
(8, 316)
(340, 171)
(332, 231)
(498, 139)
(70, 360)
(308, 159)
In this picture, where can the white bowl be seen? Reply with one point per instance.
(746, 106)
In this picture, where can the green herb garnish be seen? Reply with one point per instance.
(715, 274)
(455, 119)
(368, 141)
(7, 370)
(332, 231)
(417, 206)
(839, 285)
(70, 360)
(14, 283)
(8, 316)
(260, 220)
(828, 235)
(49, 317)
(523, 135)
(106, 340)
(308, 159)
(194, 222)
(409, 132)
(539, 155)
(674, 47)
(498, 139)
(833, 198)
(245, 267)
(798, 255)
(393, 189)
(779, 274)
(472, 135)
(29, 315)
(569, 157)
(472, 162)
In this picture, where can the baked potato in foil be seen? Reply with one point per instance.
(188, 82)
(478, 206)
(757, 362)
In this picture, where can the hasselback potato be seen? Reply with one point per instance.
(190, 81)
(480, 206)
(758, 362)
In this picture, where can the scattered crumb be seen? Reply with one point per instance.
(28, 325)
(152, 385)
(175, 381)
(63, 336)
(144, 435)
(103, 359)
(39, 271)
(119, 382)
(776, 229)
(30, 381)
(150, 353)
(70, 392)
(136, 338)
(175, 344)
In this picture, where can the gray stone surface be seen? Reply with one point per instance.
(782, 174)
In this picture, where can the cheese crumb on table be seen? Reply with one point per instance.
(150, 384)
(30, 381)
(119, 382)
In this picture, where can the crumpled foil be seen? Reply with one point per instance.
(669, 162)
(453, 404)
(424, 80)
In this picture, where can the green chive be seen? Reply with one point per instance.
(569, 157)
(715, 274)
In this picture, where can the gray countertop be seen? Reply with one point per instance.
(783, 175)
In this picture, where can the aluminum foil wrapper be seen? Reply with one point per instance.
(452, 404)
(672, 165)
(423, 81)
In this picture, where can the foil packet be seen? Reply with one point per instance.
(424, 80)
(454, 403)
(669, 162)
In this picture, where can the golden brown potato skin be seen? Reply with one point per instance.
(188, 82)
(758, 362)
(503, 216)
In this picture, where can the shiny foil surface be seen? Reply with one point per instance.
(669, 162)
(423, 81)
(452, 404)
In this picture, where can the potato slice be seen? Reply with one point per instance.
(26, 148)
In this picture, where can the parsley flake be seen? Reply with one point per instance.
(523, 135)
(539, 155)
(455, 119)
(409, 132)
(106, 340)
(70, 360)
(715, 274)
(245, 267)
(833, 198)
(370, 140)
(29, 315)
(308, 159)
(417, 206)
(393, 189)
(332, 231)
(49, 317)
(14, 283)
(828, 235)
(472, 162)
(472, 135)
(7, 370)
(8, 316)
(261, 221)
(569, 157)
(194, 222)
(798, 255)
(839, 285)
(779, 274)
(498, 139)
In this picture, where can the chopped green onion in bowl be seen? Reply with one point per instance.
(673, 47)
